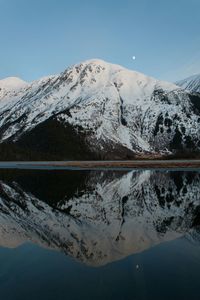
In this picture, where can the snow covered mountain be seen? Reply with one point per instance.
(97, 110)
(10, 86)
(111, 216)
(191, 83)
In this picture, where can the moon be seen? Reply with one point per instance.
(133, 57)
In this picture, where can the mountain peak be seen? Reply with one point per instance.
(12, 83)
(191, 83)
(96, 61)
(97, 64)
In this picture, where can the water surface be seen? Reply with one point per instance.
(99, 234)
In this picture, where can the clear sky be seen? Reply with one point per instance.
(42, 37)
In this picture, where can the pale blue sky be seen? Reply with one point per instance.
(42, 37)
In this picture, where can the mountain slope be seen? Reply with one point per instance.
(191, 83)
(106, 110)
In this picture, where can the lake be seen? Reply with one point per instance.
(99, 234)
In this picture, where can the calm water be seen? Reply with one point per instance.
(99, 235)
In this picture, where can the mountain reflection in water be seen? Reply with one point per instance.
(98, 217)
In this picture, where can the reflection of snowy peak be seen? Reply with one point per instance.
(191, 83)
(114, 216)
(101, 110)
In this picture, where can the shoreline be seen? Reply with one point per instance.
(77, 165)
